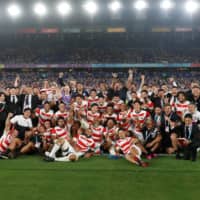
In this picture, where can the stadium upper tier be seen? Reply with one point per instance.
(100, 48)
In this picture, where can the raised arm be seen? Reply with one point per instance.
(8, 123)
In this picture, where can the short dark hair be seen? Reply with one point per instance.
(188, 116)
(137, 101)
(27, 109)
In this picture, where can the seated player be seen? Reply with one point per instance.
(110, 136)
(131, 151)
(73, 149)
(8, 136)
(35, 142)
(152, 139)
(23, 124)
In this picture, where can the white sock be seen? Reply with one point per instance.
(112, 151)
(63, 159)
(55, 148)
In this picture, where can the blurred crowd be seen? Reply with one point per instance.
(100, 48)
(95, 55)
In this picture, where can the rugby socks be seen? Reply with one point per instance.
(55, 148)
(63, 159)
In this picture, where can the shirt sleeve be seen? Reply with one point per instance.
(14, 120)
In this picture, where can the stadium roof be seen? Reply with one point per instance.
(15, 14)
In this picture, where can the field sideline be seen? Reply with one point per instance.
(99, 178)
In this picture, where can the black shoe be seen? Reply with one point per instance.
(194, 156)
(178, 156)
(3, 155)
(12, 155)
(49, 159)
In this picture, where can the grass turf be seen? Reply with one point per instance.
(98, 178)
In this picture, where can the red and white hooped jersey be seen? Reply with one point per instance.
(122, 120)
(60, 133)
(124, 144)
(47, 135)
(111, 133)
(84, 143)
(107, 116)
(81, 107)
(58, 114)
(92, 100)
(5, 141)
(97, 133)
(92, 116)
(117, 105)
(181, 108)
(43, 115)
(102, 107)
(141, 117)
(150, 105)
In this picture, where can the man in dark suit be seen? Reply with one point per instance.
(13, 102)
(159, 99)
(3, 112)
(29, 100)
(189, 139)
(194, 96)
(169, 122)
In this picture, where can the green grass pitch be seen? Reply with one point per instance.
(30, 178)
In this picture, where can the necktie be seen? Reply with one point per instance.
(26, 100)
(13, 99)
(187, 132)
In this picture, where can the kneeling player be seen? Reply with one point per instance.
(131, 151)
(152, 139)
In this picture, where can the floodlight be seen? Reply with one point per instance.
(140, 5)
(90, 7)
(115, 6)
(14, 10)
(40, 9)
(191, 6)
(64, 8)
(166, 4)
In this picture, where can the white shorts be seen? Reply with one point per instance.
(139, 136)
(68, 149)
(137, 148)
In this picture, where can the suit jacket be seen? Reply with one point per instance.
(34, 101)
(173, 116)
(14, 107)
(195, 133)
(158, 102)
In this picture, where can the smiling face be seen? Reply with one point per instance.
(27, 114)
(122, 134)
(181, 97)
